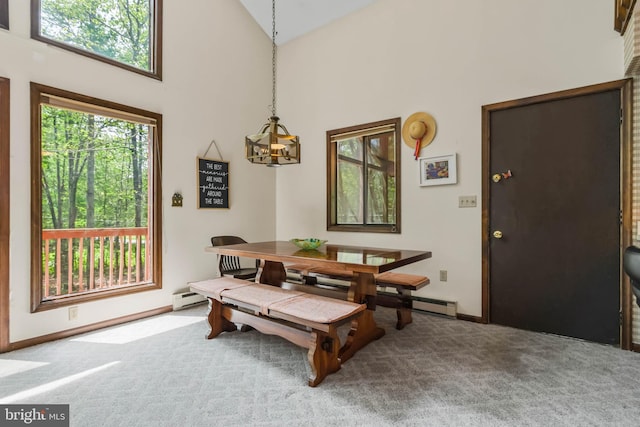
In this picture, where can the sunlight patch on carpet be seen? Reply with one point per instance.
(29, 393)
(10, 366)
(138, 330)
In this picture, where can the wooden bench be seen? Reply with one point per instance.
(307, 320)
(402, 283)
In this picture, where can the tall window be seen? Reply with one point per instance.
(4, 14)
(363, 174)
(95, 198)
(126, 33)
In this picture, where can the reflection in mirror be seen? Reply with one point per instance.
(363, 177)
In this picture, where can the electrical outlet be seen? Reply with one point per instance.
(443, 275)
(73, 313)
(467, 201)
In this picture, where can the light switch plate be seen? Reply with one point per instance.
(467, 201)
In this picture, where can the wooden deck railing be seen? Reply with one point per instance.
(84, 259)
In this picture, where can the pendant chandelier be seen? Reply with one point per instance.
(273, 145)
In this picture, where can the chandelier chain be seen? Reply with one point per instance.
(273, 58)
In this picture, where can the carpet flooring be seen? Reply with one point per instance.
(436, 372)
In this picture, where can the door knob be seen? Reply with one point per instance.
(497, 234)
(499, 176)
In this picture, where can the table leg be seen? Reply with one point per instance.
(271, 273)
(363, 329)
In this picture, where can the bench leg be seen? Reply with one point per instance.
(404, 311)
(323, 355)
(404, 317)
(217, 322)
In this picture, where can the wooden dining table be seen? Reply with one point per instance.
(363, 262)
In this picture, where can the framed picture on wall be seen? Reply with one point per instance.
(4, 14)
(438, 170)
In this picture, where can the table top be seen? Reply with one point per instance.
(350, 258)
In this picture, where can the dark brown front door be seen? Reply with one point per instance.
(553, 223)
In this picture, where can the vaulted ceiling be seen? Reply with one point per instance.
(297, 17)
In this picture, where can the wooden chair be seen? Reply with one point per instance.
(230, 265)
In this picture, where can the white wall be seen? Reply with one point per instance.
(216, 85)
(448, 58)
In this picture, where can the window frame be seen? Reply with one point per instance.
(368, 130)
(4, 14)
(155, 50)
(39, 91)
(5, 226)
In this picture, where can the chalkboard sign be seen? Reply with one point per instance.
(213, 184)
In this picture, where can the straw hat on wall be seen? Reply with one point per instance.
(418, 131)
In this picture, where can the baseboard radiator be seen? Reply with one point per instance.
(187, 299)
(447, 308)
(429, 305)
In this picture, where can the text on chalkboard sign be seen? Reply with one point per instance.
(213, 184)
